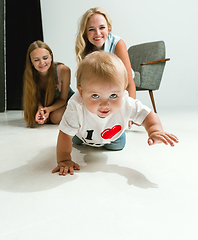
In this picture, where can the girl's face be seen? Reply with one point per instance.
(101, 99)
(97, 30)
(41, 60)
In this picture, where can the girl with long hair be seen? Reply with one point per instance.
(46, 86)
(94, 34)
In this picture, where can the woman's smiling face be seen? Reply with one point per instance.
(41, 60)
(97, 30)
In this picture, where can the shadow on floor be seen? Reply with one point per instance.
(36, 174)
(96, 161)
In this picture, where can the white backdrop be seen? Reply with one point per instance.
(174, 21)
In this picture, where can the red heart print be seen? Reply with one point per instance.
(110, 132)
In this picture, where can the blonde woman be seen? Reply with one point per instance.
(46, 86)
(94, 34)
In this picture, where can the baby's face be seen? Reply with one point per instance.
(102, 99)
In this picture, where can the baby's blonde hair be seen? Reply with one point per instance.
(83, 47)
(102, 67)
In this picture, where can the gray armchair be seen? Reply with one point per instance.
(148, 62)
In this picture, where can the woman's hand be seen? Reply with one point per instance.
(40, 116)
(46, 112)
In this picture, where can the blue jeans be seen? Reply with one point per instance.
(118, 144)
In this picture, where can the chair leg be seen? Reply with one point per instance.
(152, 100)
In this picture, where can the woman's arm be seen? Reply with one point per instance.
(65, 75)
(122, 53)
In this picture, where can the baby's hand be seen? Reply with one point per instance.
(162, 137)
(66, 166)
(130, 123)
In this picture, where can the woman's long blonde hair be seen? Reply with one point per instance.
(31, 89)
(83, 46)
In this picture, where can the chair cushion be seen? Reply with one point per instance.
(137, 79)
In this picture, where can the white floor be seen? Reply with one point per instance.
(139, 193)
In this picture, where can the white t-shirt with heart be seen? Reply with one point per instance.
(96, 131)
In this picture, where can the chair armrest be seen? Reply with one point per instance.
(157, 61)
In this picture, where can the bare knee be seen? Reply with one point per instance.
(55, 117)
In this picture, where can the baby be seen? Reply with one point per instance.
(98, 114)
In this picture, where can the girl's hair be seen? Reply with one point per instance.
(103, 68)
(83, 46)
(31, 89)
